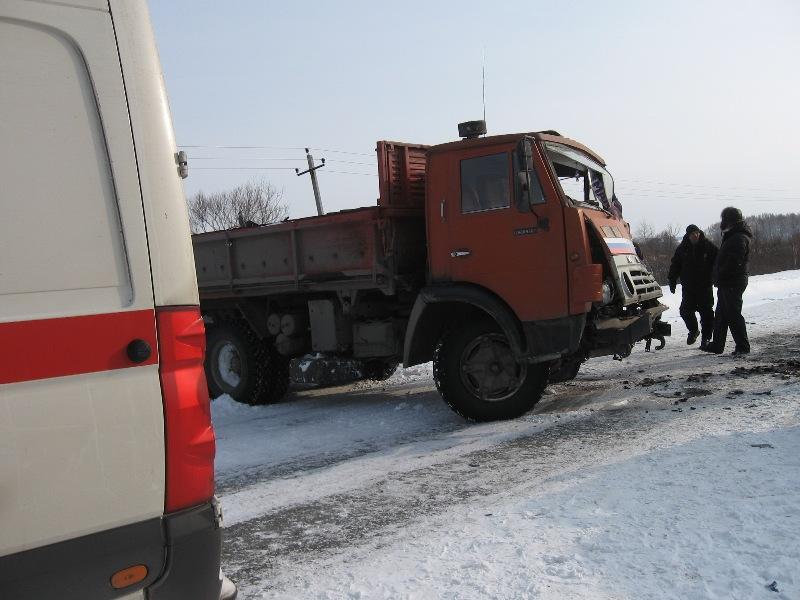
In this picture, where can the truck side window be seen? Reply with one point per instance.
(485, 183)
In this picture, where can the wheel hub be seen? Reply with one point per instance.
(229, 365)
(489, 370)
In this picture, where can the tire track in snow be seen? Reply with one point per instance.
(253, 548)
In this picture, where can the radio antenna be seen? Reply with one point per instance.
(483, 83)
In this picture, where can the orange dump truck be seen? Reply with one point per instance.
(503, 259)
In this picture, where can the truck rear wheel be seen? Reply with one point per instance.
(249, 370)
(477, 375)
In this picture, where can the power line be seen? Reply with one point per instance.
(275, 169)
(344, 152)
(713, 187)
(242, 147)
(243, 169)
(353, 173)
(663, 193)
(240, 158)
(351, 162)
(221, 147)
(270, 158)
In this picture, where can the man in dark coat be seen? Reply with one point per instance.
(730, 276)
(692, 264)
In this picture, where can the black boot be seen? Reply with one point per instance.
(713, 349)
(740, 351)
(692, 337)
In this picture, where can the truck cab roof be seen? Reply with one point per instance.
(545, 136)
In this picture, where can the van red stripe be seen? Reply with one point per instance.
(48, 348)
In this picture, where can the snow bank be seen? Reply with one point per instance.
(225, 411)
(423, 372)
(766, 296)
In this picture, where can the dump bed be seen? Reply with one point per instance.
(378, 247)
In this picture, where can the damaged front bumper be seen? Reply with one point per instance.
(616, 336)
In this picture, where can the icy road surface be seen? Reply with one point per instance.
(673, 474)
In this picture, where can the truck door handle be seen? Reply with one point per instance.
(460, 253)
(138, 351)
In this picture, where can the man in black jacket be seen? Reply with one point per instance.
(730, 277)
(692, 264)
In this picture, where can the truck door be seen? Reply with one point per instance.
(498, 227)
(82, 426)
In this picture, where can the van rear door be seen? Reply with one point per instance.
(81, 415)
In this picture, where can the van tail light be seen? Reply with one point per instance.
(189, 435)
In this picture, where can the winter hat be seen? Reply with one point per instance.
(692, 228)
(730, 216)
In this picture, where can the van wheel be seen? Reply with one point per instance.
(477, 375)
(247, 369)
(378, 370)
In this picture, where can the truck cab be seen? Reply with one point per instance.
(527, 247)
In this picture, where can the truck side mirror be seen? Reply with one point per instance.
(529, 191)
(524, 185)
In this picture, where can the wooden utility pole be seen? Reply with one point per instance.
(312, 170)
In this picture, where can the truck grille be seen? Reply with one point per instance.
(640, 282)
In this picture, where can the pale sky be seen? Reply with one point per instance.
(694, 105)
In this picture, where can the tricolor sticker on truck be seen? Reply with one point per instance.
(619, 245)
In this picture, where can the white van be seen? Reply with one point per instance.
(106, 444)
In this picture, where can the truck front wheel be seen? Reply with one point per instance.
(249, 370)
(565, 369)
(477, 375)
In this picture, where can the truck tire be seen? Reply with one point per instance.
(478, 377)
(378, 370)
(565, 369)
(249, 370)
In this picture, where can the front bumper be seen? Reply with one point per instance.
(617, 335)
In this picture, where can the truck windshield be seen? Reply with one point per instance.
(582, 179)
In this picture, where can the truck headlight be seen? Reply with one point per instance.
(608, 292)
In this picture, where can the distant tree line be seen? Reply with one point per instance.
(246, 205)
(775, 247)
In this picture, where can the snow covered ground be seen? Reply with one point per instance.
(672, 474)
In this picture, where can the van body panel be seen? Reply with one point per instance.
(68, 169)
(101, 5)
(173, 272)
(79, 454)
(81, 439)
